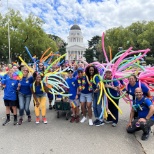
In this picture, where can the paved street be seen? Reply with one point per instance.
(60, 136)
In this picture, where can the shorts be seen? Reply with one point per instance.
(10, 103)
(74, 103)
(86, 98)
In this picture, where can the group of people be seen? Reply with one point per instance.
(85, 91)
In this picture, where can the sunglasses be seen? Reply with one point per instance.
(40, 65)
(25, 70)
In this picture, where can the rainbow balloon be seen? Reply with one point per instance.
(17, 75)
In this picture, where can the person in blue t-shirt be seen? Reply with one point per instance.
(73, 99)
(93, 74)
(113, 88)
(132, 85)
(10, 97)
(24, 94)
(85, 95)
(39, 90)
(145, 109)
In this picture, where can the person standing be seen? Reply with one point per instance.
(10, 87)
(73, 99)
(85, 95)
(39, 91)
(114, 89)
(24, 95)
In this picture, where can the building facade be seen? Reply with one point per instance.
(75, 49)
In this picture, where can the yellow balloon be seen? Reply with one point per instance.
(111, 99)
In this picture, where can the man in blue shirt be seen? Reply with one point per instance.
(145, 109)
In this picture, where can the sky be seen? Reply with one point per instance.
(93, 16)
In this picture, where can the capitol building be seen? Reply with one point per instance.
(75, 49)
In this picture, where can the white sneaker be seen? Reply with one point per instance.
(90, 122)
(83, 119)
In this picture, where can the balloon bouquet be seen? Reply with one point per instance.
(53, 80)
(123, 65)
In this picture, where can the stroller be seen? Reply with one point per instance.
(63, 105)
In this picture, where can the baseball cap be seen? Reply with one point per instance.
(108, 70)
(80, 69)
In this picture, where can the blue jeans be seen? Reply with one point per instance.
(24, 102)
(97, 107)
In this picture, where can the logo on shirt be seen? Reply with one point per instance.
(27, 81)
(73, 84)
(12, 84)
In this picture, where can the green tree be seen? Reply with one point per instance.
(94, 50)
(24, 32)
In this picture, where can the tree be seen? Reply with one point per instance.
(24, 32)
(93, 51)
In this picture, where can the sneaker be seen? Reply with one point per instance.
(44, 120)
(20, 121)
(72, 119)
(145, 136)
(99, 123)
(29, 119)
(37, 120)
(107, 122)
(114, 125)
(83, 119)
(6, 122)
(95, 121)
(15, 122)
(77, 119)
(90, 122)
(50, 107)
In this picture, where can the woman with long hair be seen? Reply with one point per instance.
(94, 81)
(39, 91)
(25, 94)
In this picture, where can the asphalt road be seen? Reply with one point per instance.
(60, 136)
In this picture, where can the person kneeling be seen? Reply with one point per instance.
(145, 109)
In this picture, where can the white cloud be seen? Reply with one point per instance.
(92, 17)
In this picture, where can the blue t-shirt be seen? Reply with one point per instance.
(75, 74)
(86, 89)
(38, 90)
(145, 103)
(25, 85)
(112, 91)
(10, 89)
(72, 83)
(131, 89)
(6, 76)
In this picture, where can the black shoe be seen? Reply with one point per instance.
(99, 123)
(29, 119)
(145, 136)
(20, 121)
(15, 122)
(50, 107)
(54, 107)
(96, 121)
(6, 122)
